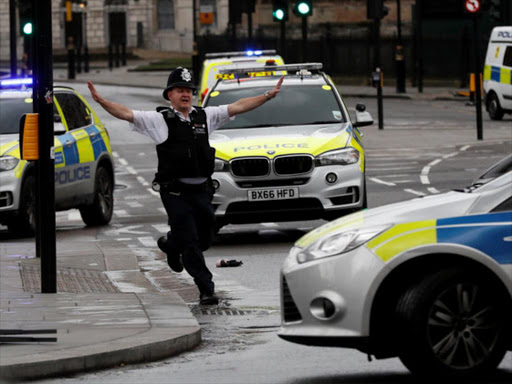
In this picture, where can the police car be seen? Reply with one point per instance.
(84, 166)
(428, 280)
(214, 62)
(498, 73)
(297, 157)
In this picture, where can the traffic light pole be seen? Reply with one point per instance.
(12, 35)
(399, 54)
(478, 96)
(304, 37)
(45, 168)
(283, 37)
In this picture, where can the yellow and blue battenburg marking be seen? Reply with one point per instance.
(80, 146)
(498, 74)
(489, 233)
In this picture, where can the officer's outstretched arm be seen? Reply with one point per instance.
(249, 103)
(115, 109)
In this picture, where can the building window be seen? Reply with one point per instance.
(165, 12)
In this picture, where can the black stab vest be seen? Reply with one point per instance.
(187, 151)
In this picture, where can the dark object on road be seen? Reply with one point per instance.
(228, 263)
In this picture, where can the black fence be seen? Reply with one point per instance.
(445, 57)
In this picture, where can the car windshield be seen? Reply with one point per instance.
(11, 111)
(295, 105)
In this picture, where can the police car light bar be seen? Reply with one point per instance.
(256, 52)
(15, 82)
(273, 68)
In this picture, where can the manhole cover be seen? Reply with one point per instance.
(224, 311)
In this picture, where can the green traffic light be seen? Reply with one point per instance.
(279, 14)
(27, 29)
(303, 8)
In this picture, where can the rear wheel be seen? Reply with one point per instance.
(452, 323)
(494, 107)
(100, 211)
(24, 224)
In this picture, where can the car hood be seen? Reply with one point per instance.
(275, 141)
(425, 208)
(9, 145)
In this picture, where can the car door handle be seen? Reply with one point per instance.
(94, 134)
(508, 238)
(68, 143)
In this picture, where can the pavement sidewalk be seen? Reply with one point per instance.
(97, 325)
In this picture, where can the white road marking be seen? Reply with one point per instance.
(374, 179)
(464, 148)
(147, 241)
(417, 193)
(389, 169)
(134, 204)
(121, 213)
(142, 181)
(123, 161)
(74, 215)
(433, 190)
(131, 170)
(162, 228)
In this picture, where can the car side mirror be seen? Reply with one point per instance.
(363, 119)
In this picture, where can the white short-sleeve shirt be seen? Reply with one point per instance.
(153, 125)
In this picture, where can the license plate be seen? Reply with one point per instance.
(273, 194)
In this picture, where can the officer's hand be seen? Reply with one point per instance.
(273, 93)
(95, 95)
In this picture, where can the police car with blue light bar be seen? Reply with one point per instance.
(84, 166)
(428, 280)
(299, 156)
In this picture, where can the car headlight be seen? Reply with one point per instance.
(338, 157)
(220, 166)
(339, 242)
(8, 163)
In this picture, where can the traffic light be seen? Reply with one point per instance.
(25, 13)
(376, 9)
(280, 10)
(303, 8)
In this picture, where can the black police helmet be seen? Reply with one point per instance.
(180, 77)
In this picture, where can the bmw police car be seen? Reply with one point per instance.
(214, 62)
(297, 157)
(428, 280)
(84, 167)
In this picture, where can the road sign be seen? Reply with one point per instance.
(472, 6)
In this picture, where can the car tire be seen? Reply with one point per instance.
(452, 323)
(24, 224)
(494, 107)
(100, 211)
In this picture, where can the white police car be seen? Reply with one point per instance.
(428, 280)
(84, 167)
(297, 157)
(214, 62)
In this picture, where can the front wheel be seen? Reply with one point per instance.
(100, 211)
(494, 107)
(452, 323)
(24, 224)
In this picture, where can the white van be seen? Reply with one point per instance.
(498, 73)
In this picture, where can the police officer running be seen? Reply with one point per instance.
(185, 166)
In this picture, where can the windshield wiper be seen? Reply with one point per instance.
(323, 122)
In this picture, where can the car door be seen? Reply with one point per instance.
(74, 155)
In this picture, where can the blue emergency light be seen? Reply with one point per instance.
(16, 82)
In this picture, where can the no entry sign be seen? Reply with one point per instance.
(472, 6)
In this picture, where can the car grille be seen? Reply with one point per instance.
(250, 167)
(272, 183)
(290, 165)
(290, 311)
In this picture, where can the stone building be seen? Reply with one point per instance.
(167, 25)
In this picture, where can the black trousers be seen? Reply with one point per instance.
(192, 221)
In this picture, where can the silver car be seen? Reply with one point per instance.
(297, 157)
(428, 280)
